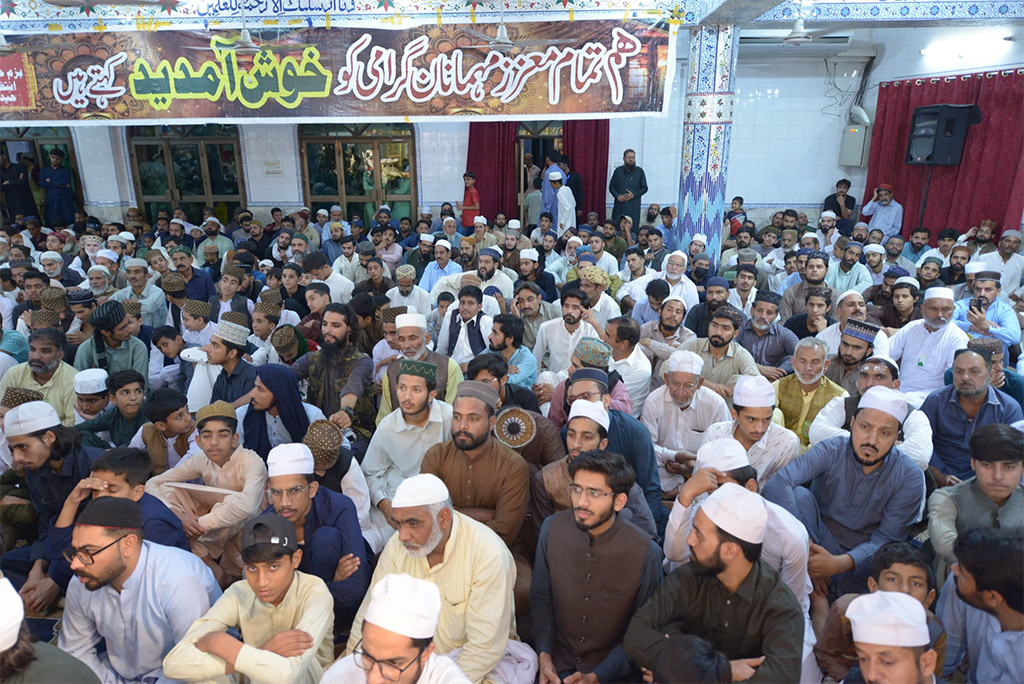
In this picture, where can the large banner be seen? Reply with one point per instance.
(561, 70)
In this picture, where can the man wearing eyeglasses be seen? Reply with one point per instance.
(398, 638)
(326, 527)
(138, 596)
(593, 569)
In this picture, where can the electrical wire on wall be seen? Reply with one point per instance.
(840, 98)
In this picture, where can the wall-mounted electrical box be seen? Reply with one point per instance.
(856, 143)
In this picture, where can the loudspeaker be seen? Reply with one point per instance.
(938, 132)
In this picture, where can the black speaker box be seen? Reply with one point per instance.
(938, 132)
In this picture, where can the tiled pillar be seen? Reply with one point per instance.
(711, 74)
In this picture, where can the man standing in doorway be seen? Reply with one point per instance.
(627, 186)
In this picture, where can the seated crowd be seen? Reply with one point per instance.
(455, 449)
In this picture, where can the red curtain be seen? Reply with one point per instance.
(988, 183)
(586, 143)
(492, 157)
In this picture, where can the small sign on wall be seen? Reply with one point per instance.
(273, 167)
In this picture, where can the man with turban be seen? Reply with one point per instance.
(112, 346)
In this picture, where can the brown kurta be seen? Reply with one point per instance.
(499, 480)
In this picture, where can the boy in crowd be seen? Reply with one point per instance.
(211, 518)
(169, 437)
(91, 396)
(283, 614)
(126, 390)
(195, 321)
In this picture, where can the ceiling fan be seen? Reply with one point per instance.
(244, 43)
(800, 35)
(502, 43)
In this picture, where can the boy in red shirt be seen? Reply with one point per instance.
(470, 204)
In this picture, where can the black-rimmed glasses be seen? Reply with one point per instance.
(84, 555)
(392, 673)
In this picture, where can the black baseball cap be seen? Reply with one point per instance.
(272, 529)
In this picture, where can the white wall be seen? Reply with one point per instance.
(104, 169)
(271, 143)
(441, 150)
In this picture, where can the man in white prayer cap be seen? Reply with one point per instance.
(925, 348)
(677, 414)
(768, 445)
(844, 474)
(398, 638)
(785, 548)
(727, 594)
(890, 635)
(326, 526)
(471, 566)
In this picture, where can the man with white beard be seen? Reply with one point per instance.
(925, 348)
(465, 559)
(805, 392)
(413, 345)
(674, 275)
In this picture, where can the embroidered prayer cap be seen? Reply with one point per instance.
(51, 256)
(887, 400)
(446, 219)
(426, 237)
(405, 271)
(420, 369)
(271, 296)
(468, 240)
(991, 344)
(232, 332)
(53, 298)
(301, 237)
(940, 293)
(366, 248)
(722, 454)
(322, 212)
(587, 258)
(873, 249)
(896, 272)
(80, 297)
(15, 263)
(828, 214)
(290, 459)
(529, 255)
(994, 276)
(30, 417)
(132, 307)
(444, 243)
(172, 283)
(91, 381)
(862, 330)
(411, 320)
(44, 317)
(491, 252)
(99, 269)
(92, 238)
(848, 293)
(233, 271)
(515, 428)
(218, 409)
(596, 275)
(181, 249)
(470, 278)
(594, 410)
(702, 239)
(684, 361)
(746, 254)
(12, 613)
(514, 224)
(107, 315)
(766, 296)
(593, 352)
(480, 219)
(237, 317)
(324, 439)
(932, 260)
(404, 605)
(738, 511)
(963, 247)
(889, 618)
(574, 240)
(391, 314)
(135, 262)
(420, 490)
(16, 396)
(117, 238)
(555, 176)
(284, 340)
(789, 231)
(893, 366)
(478, 390)
(112, 512)
(907, 280)
(753, 391)
(194, 307)
(592, 374)
(268, 528)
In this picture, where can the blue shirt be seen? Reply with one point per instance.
(168, 591)
(643, 313)
(432, 273)
(951, 430)
(629, 437)
(863, 512)
(548, 196)
(49, 489)
(886, 217)
(996, 656)
(911, 254)
(201, 286)
(331, 509)
(998, 312)
(527, 363)
(790, 280)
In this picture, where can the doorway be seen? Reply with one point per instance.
(535, 139)
(31, 147)
(359, 167)
(190, 167)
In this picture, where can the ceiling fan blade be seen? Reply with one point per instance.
(479, 34)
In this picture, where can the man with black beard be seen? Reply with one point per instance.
(660, 338)
(843, 473)
(814, 275)
(954, 273)
(726, 594)
(981, 236)
(716, 294)
(45, 372)
(771, 344)
(591, 546)
(340, 376)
